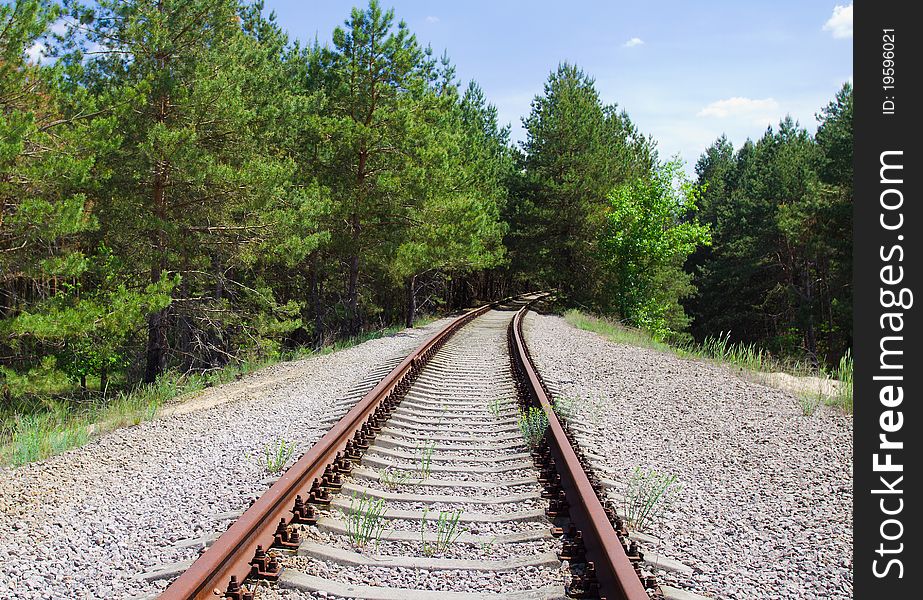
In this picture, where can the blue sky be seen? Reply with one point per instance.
(686, 72)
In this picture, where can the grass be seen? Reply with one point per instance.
(844, 374)
(565, 408)
(425, 450)
(393, 478)
(809, 402)
(447, 531)
(38, 428)
(720, 349)
(615, 332)
(495, 406)
(276, 455)
(647, 494)
(49, 415)
(532, 424)
(365, 520)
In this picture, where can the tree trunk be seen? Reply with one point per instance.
(810, 340)
(353, 295)
(103, 380)
(316, 304)
(156, 346)
(156, 321)
(411, 301)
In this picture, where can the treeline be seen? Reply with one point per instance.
(757, 250)
(779, 271)
(596, 214)
(182, 186)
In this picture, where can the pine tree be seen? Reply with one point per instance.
(186, 177)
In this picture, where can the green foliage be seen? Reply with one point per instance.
(576, 152)
(365, 520)
(779, 273)
(644, 243)
(425, 452)
(844, 375)
(495, 406)
(447, 531)
(393, 478)
(532, 424)
(564, 408)
(648, 493)
(181, 187)
(276, 455)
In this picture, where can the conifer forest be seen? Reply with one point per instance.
(184, 187)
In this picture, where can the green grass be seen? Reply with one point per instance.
(36, 428)
(615, 332)
(276, 455)
(46, 415)
(365, 520)
(844, 374)
(720, 349)
(495, 407)
(393, 478)
(532, 424)
(647, 494)
(447, 531)
(425, 451)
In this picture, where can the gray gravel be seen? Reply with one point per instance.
(766, 505)
(85, 523)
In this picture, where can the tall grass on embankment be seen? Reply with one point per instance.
(720, 349)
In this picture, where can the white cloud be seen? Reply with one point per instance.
(635, 41)
(59, 27)
(432, 19)
(737, 106)
(36, 52)
(840, 22)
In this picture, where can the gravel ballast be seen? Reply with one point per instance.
(86, 523)
(765, 509)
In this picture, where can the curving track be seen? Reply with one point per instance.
(469, 511)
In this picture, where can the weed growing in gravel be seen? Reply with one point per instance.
(532, 424)
(565, 407)
(392, 478)
(494, 406)
(425, 451)
(32, 433)
(809, 402)
(365, 520)
(447, 531)
(38, 436)
(487, 547)
(648, 493)
(276, 455)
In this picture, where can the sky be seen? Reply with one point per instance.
(685, 72)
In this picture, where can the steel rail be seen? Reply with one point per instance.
(614, 571)
(232, 553)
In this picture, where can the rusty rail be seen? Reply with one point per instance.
(615, 572)
(238, 552)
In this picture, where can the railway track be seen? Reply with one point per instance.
(428, 489)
